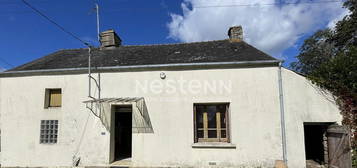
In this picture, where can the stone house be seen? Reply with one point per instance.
(205, 104)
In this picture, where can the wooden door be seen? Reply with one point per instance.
(339, 147)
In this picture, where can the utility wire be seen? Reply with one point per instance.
(5, 62)
(56, 24)
(2, 69)
(203, 6)
(269, 4)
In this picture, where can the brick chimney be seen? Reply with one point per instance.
(235, 34)
(109, 39)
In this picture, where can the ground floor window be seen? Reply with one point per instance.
(49, 131)
(211, 122)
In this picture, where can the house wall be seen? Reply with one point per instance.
(254, 118)
(304, 102)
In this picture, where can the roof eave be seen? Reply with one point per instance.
(152, 67)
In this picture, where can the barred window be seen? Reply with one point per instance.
(49, 131)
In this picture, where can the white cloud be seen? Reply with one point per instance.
(268, 27)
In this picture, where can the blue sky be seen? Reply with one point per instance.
(277, 30)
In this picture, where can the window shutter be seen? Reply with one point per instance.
(55, 98)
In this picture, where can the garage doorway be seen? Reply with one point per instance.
(122, 132)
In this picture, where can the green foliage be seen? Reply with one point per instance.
(346, 29)
(339, 74)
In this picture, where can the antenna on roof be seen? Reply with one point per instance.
(97, 12)
(97, 82)
(97, 107)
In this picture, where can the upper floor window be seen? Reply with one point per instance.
(53, 98)
(211, 122)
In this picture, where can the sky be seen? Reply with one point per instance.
(278, 29)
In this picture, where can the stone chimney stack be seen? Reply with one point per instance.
(235, 34)
(109, 39)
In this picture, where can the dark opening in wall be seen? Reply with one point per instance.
(122, 132)
(316, 142)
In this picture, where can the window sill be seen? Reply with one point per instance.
(213, 145)
(53, 107)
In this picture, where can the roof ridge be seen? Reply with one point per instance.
(71, 49)
(147, 45)
(169, 44)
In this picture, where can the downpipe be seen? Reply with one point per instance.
(89, 72)
(282, 113)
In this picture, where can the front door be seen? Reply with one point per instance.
(123, 132)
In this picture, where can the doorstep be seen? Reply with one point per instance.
(122, 163)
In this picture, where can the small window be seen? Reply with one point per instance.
(49, 131)
(211, 122)
(53, 98)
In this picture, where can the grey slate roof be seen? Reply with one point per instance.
(199, 52)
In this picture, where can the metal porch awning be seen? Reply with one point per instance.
(115, 100)
(101, 108)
